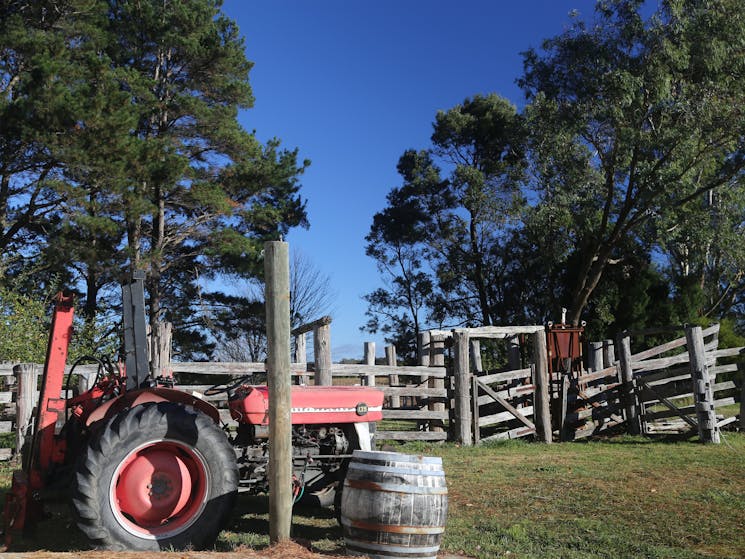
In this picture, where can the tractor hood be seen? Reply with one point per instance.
(311, 404)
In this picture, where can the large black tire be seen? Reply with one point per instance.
(157, 476)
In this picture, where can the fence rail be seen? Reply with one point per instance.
(660, 390)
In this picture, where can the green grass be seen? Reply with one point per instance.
(621, 498)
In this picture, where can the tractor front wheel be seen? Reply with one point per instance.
(158, 476)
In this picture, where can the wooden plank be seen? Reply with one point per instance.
(475, 410)
(506, 405)
(679, 391)
(524, 390)
(594, 428)
(688, 410)
(661, 363)
(678, 427)
(500, 332)
(411, 436)
(5, 454)
(511, 434)
(665, 375)
(501, 417)
(608, 372)
(220, 368)
(727, 352)
(351, 370)
(711, 330)
(726, 421)
(719, 369)
(598, 405)
(589, 393)
(608, 408)
(657, 350)
(672, 407)
(323, 321)
(421, 391)
(505, 376)
(414, 414)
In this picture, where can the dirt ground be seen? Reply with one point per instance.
(281, 551)
(285, 550)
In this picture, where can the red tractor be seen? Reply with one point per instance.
(148, 467)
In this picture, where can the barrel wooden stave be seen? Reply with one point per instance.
(394, 505)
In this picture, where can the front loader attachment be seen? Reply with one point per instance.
(22, 506)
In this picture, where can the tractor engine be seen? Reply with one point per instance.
(328, 423)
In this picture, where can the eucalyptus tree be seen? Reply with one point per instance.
(440, 242)
(632, 120)
(202, 193)
(39, 110)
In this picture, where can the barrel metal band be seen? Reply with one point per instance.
(394, 487)
(391, 548)
(392, 528)
(406, 471)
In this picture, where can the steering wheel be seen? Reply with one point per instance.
(226, 387)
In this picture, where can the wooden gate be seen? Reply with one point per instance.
(664, 388)
(590, 403)
(503, 405)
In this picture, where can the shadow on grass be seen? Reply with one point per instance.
(313, 527)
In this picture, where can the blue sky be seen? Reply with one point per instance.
(353, 84)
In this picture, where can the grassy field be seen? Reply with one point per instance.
(620, 498)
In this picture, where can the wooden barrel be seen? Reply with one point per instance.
(394, 505)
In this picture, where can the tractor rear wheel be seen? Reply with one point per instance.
(157, 476)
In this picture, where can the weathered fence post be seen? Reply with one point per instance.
(370, 360)
(299, 355)
(595, 356)
(741, 366)
(609, 354)
(85, 381)
(390, 359)
(160, 349)
(476, 356)
(514, 362)
(277, 280)
(542, 405)
(423, 339)
(26, 379)
(628, 390)
(703, 397)
(437, 359)
(322, 353)
(462, 388)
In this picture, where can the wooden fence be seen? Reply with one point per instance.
(674, 388)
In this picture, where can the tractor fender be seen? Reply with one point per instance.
(141, 396)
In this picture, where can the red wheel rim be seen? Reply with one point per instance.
(159, 489)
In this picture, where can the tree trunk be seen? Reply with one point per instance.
(587, 283)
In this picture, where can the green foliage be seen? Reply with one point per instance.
(24, 328)
(439, 242)
(617, 193)
(631, 123)
(120, 149)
